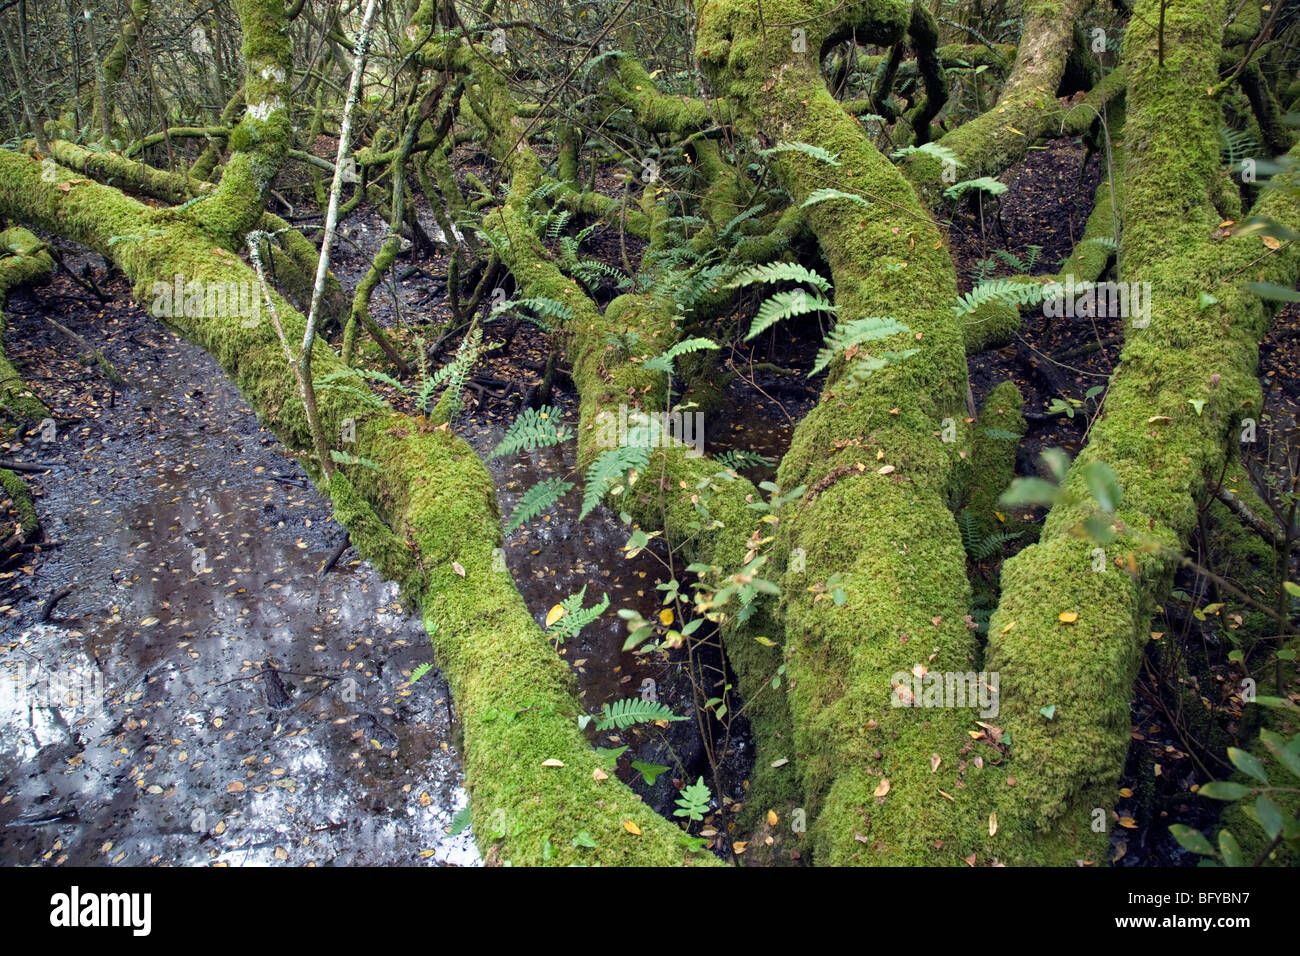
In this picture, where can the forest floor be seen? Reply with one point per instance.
(191, 763)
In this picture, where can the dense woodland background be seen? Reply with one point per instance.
(983, 307)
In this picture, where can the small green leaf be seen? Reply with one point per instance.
(1231, 849)
(1197, 403)
(460, 821)
(1191, 839)
(1049, 711)
(1224, 790)
(584, 839)
(649, 771)
(1248, 764)
(1269, 815)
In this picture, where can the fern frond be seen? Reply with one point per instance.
(623, 714)
(985, 184)
(738, 459)
(377, 376)
(535, 428)
(537, 499)
(991, 544)
(664, 361)
(816, 152)
(855, 332)
(334, 382)
(933, 149)
(780, 272)
(1006, 291)
(970, 530)
(576, 617)
(1011, 259)
(736, 220)
(1106, 242)
(785, 305)
(611, 468)
(823, 195)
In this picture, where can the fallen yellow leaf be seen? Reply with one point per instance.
(772, 818)
(993, 824)
(883, 789)
(554, 614)
(631, 828)
(666, 616)
(552, 762)
(1068, 617)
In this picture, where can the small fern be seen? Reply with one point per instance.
(824, 195)
(737, 459)
(1032, 255)
(664, 361)
(980, 547)
(625, 713)
(1006, 291)
(984, 184)
(847, 335)
(610, 469)
(576, 617)
(336, 382)
(807, 149)
(537, 499)
(457, 371)
(933, 149)
(785, 305)
(534, 428)
(780, 272)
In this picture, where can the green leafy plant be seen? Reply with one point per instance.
(1277, 782)
(534, 428)
(575, 617)
(631, 711)
(693, 803)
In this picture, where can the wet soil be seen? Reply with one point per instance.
(200, 696)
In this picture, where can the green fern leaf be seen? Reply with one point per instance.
(610, 469)
(785, 305)
(623, 714)
(816, 152)
(780, 272)
(534, 428)
(537, 499)
(576, 617)
(824, 195)
(856, 332)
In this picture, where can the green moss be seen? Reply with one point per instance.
(21, 496)
(993, 454)
(1160, 447)
(902, 570)
(23, 259)
(428, 507)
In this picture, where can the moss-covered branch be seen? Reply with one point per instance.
(23, 259)
(428, 507)
(1175, 402)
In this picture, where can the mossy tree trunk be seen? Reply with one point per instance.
(1175, 405)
